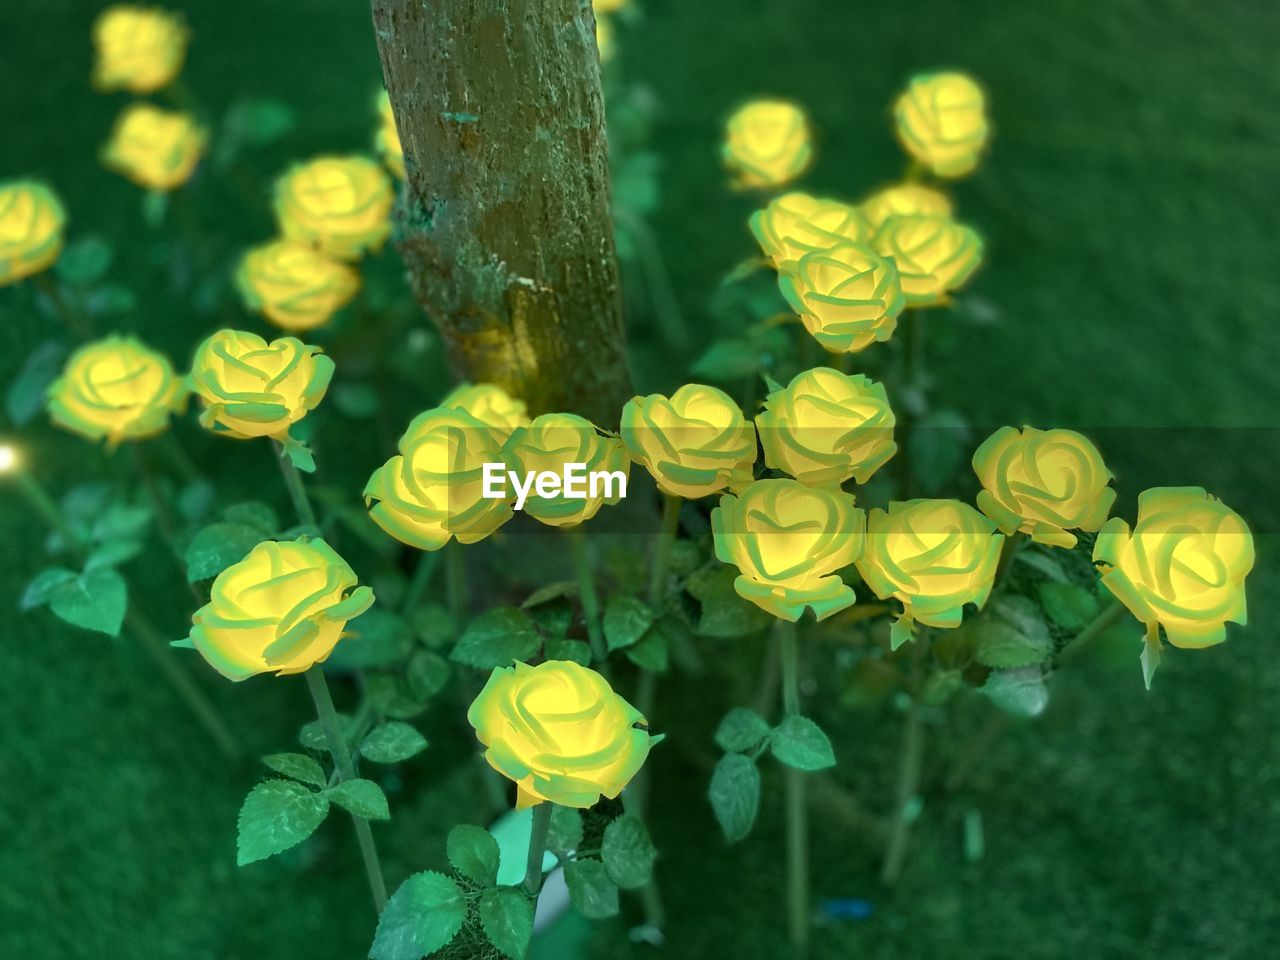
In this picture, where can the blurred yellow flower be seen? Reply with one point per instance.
(789, 543)
(942, 122)
(252, 388)
(1183, 565)
(341, 205)
(559, 732)
(604, 38)
(934, 255)
(847, 297)
(825, 427)
(932, 555)
(140, 49)
(434, 488)
(696, 443)
(156, 149)
(387, 140)
(549, 443)
(293, 285)
(1044, 483)
(608, 6)
(491, 405)
(795, 224)
(115, 389)
(31, 225)
(281, 609)
(767, 144)
(904, 199)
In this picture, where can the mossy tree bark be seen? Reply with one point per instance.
(505, 228)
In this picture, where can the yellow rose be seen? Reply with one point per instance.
(293, 285)
(560, 732)
(825, 427)
(934, 255)
(796, 223)
(157, 149)
(282, 608)
(608, 6)
(932, 555)
(1183, 566)
(1044, 483)
(138, 48)
(491, 405)
(788, 542)
(434, 488)
(115, 389)
(942, 122)
(848, 297)
(31, 224)
(252, 388)
(340, 204)
(767, 144)
(604, 38)
(549, 443)
(904, 199)
(387, 139)
(695, 444)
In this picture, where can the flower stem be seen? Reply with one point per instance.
(797, 807)
(587, 592)
(428, 560)
(662, 549)
(1081, 641)
(537, 849)
(1012, 544)
(341, 754)
(910, 764)
(297, 490)
(164, 518)
(455, 571)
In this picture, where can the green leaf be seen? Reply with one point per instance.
(389, 695)
(1019, 691)
(735, 795)
(392, 742)
(364, 798)
(799, 742)
(253, 513)
(26, 395)
(427, 674)
(1150, 656)
(1010, 633)
(420, 918)
(44, 585)
(565, 649)
(312, 735)
(299, 454)
(84, 262)
(565, 832)
(473, 852)
(277, 815)
(218, 546)
(740, 730)
(590, 889)
(110, 299)
(552, 591)
(496, 638)
(259, 121)
(651, 653)
(506, 917)
(376, 638)
(113, 554)
(121, 521)
(627, 851)
(727, 360)
(724, 613)
(297, 766)
(434, 626)
(626, 619)
(1039, 559)
(95, 600)
(1067, 605)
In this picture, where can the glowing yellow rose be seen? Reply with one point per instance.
(252, 388)
(554, 440)
(434, 488)
(608, 6)
(293, 285)
(932, 555)
(934, 255)
(825, 427)
(796, 223)
(695, 444)
(767, 144)
(942, 122)
(31, 223)
(560, 732)
(138, 48)
(604, 38)
(115, 389)
(789, 542)
(848, 297)
(491, 405)
(282, 608)
(157, 149)
(904, 199)
(387, 139)
(340, 204)
(1183, 566)
(1044, 483)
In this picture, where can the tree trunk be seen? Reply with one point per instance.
(505, 229)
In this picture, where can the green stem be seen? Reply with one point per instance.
(455, 571)
(587, 592)
(797, 807)
(341, 754)
(76, 322)
(297, 490)
(1081, 641)
(43, 504)
(910, 764)
(1012, 544)
(428, 560)
(537, 849)
(662, 549)
(164, 518)
(843, 362)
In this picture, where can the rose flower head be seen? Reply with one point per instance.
(294, 285)
(341, 205)
(848, 297)
(941, 120)
(31, 225)
(767, 144)
(795, 224)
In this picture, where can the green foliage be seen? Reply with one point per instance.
(627, 852)
(312, 735)
(652, 652)
(1010, 633)
(723, 613)
(565, 831)
(1068, 606)
(735, 795)
(626, 620)
(364, 798)
(94, 600)
(277, 815)
(26, 394)
(218, 546)
(84, 261)
(473, 853)
(376, 638)
(1020, 691)
(798, 742)
(496, 638)
(392, 742)
(940, 443)
(506, 917)
(741, 729)
(296, 766)
(427, 674)
(421, 917)
(565, 649)
(590, 888)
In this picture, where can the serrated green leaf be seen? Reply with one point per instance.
(1011, 633)
(43, 585)
(590, 889)
(651, 653)
(473, 852)
(626, 619)
(364, 798)
(741, 729)
(277, 815)
(506, 917)
(389, 695)
(1067, 605)
(724, 613)
(434, 626)
(627, 852)
(254, 513)
(799, 742)
(565, 832)
(218, 546)
(727, 360)
(297, 766)
(552, 591)
(420, 918)
(427, 674)
(312, 735)
(735, 795)
(496, 638)
(95, 600)
(26, 395)
(1019, 691)
(392, 742)
(566, 649)
(113, 554)
(376, 638)
(1038, 559)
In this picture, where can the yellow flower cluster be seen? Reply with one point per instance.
(31, 225)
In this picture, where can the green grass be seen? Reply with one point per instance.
(1128, 202)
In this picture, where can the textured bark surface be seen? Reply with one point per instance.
(506, 230)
